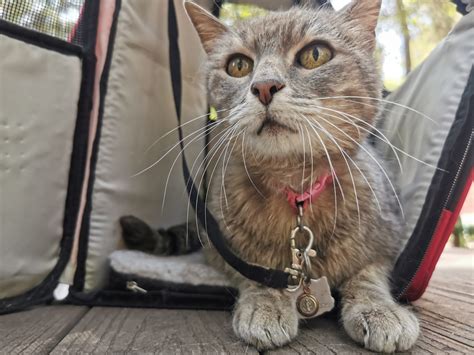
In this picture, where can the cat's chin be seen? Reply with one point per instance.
(274, 143)
(272, 127)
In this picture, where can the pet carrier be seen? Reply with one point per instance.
(81, 103)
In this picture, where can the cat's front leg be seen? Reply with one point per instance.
(265, 318)
(371, 316)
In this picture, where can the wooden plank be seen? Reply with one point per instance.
(38, 330)
(321, 336)
(127, 330)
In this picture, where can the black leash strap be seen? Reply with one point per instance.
(265, 276)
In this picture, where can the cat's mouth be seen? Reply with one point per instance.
(272, 126)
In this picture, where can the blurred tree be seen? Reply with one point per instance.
(402, 18)
(421, 25)
(458, 235)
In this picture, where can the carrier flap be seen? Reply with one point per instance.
(430, 119)
(44, 115)
(131, 168)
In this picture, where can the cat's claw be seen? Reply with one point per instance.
(265, 322)
(382, 328)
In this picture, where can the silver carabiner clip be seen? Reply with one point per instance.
(308, 251)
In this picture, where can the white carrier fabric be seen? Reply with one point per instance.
(38, 110)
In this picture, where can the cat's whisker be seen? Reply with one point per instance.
(225, 165)
(312, 161)
(329, 161)
(220, 134)
(367, 182)
(364, 177)
(208, 130)
(381, 136)
(384, 139)
(334, 179)
(300, 130)
(247, 171)
(222, 189)
(182, 126)
(151, 166)
(330, 136)
(225, 142)
(228, 133)
(383, 101)
(376, 162)
(228, 139)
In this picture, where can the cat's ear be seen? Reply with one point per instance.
(364, 12)
(207, 26)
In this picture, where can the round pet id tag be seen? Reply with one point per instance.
(313, 299)
(307, 305)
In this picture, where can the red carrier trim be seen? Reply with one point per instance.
(438, 242)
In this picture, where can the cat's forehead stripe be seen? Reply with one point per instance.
(281, 31)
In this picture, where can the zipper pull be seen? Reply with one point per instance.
(61, 291)
(133, 286)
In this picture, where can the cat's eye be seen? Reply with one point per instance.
(239, 66)
(314, 56)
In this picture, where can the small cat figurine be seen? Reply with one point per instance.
(299, 92)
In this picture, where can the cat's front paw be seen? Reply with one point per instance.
(381, 327)
(265, 320)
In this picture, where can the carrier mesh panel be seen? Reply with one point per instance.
(57, 18)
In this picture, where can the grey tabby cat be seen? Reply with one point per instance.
(300, 88)
(298, 93)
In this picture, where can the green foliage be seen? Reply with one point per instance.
(234, 12)
(458, 234)
(470, 231)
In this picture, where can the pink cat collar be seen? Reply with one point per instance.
(310, 195)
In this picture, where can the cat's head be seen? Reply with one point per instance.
(293, 80)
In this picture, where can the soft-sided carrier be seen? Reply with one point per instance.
(79, 119)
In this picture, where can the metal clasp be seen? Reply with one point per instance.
(301, 264)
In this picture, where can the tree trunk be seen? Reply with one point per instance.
(402, 19)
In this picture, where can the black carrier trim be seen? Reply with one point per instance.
(266, 276)
(79, 277)
(160, 294)
(43, 292)
(39, 39)
(443, 192)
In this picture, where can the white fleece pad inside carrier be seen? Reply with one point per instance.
(188, 269)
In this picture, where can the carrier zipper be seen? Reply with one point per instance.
(133, 286)
(459, 170)
(61, 292)
(451, 190)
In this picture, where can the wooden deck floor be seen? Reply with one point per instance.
(446, 312)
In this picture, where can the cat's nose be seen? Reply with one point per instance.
(265, 90)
